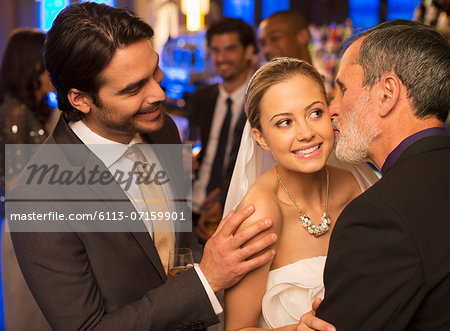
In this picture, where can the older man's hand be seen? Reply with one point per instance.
(309, 321)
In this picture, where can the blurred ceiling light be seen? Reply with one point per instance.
(195, 11)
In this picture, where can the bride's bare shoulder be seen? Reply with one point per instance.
(262, 195)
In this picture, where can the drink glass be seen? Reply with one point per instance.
(180, 259)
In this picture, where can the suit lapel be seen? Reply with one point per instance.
(239, 126)
(144, 240)
(64, 135)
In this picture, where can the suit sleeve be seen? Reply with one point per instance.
(193, 110)
(373, 275)
(200, 108)
(60, 276)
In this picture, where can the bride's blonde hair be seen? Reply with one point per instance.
(273, 72)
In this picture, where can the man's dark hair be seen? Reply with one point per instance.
(81, 43)
(295, 19)
(229, 25)
(419, 56)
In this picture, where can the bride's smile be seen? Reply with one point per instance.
(308, 152)
(295, 125)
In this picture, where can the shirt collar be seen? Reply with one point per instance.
(108, 151)
(236, 94)
(395, 154)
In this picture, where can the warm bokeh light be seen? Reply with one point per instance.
(195, 11)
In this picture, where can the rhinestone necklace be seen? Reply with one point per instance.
(315, 230)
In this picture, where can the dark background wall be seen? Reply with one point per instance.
(322, 11)
(24, 13)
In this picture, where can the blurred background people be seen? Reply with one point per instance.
(289, 34)
(217, 113)
(24, 84)
(24, 119)
(285, 34)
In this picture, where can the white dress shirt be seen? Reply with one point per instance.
(113, 159)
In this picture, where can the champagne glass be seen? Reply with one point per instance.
(180, 259)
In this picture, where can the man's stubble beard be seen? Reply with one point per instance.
(354, 140)
(230, 77)
(128, 125)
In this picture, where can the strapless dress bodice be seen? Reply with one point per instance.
(291, 290)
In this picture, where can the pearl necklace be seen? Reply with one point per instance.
(315, 230)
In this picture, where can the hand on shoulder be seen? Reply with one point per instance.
(229, 255)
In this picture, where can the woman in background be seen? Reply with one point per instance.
(24, 118)
(24, 83)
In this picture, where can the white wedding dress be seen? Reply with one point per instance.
(290, 292)
(291, 289)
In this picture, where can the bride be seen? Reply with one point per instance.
(303, 193)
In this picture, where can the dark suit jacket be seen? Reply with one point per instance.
(201, 107)
(388, 266)
(201, 113)
(108, 280)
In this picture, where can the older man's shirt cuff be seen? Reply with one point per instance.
(211, 295)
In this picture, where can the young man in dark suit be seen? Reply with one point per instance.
(387, 265)
(107, 78)
(231, 45)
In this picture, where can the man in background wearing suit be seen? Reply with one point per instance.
(388, 261)
(107, 79)
(218, 112)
